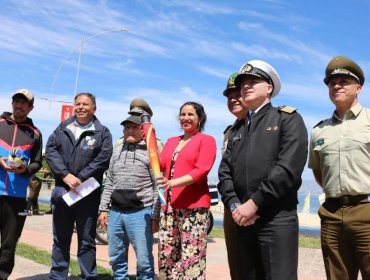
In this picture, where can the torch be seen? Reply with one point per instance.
(151, 145)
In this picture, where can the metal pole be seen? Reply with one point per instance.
(57, 75)
(80, 46)
(78, 64)
(83, 40)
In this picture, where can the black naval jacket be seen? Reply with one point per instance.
(265, 163)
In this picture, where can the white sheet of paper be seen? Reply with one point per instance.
(81, 191)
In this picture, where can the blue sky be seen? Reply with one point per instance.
(173, 52)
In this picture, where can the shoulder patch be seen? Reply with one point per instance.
(287, 109)
(320, 122)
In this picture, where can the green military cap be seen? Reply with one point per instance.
(139, 106)
(230, 84)
(341, 65)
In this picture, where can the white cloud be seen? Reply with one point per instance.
(214, 72)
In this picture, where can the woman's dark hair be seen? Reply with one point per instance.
(202, 116)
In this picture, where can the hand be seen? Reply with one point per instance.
(20, 169)
(142, 132)
(249, 222)
(71, 180)
(155, 225)
(4, 165)
(163, 182)
(245, 214)
(103, 219)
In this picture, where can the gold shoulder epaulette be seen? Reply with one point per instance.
(287, 109)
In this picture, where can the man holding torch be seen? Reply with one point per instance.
(131, 192)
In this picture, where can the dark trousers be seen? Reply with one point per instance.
(11, 226)
(269, 249)
(233, 246)
(84, 214)
(345, 241)
(33, 204)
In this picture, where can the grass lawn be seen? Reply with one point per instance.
(44, 207)
(43, 257)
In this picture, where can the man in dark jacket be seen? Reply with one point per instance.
(20, 158)
(80, 148)
(260, 174)
(237, 107)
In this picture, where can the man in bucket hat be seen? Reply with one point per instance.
(339, 158)
(259, 177)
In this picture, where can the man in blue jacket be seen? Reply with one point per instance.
(20, 158)
(78, 149)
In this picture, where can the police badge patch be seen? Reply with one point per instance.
(320, 141)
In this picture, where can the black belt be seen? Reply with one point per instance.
(345, 200)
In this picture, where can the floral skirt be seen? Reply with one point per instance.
(183, 244)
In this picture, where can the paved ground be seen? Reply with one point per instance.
(37, 232)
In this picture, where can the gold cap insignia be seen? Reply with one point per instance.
(246, 69)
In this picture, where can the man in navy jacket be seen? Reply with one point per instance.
(78, 149)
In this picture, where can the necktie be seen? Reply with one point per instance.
(250, 115)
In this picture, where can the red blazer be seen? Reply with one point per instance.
(195, 159)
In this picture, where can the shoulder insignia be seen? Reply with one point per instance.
(320, 122)
(287, 109)
(320, 141)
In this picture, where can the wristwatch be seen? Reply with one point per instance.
(234, 206)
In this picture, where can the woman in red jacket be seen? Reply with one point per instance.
(186, 161)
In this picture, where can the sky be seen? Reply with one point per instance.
(173, 52)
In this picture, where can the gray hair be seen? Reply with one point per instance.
(89, 95)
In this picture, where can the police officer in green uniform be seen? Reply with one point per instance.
(259, 177)
(237, 107)
(340, 160)
(34, 189)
